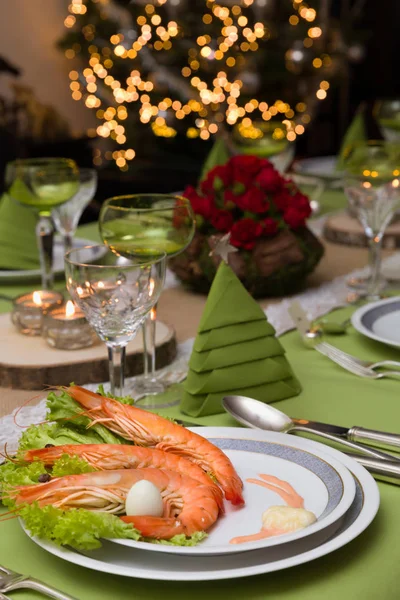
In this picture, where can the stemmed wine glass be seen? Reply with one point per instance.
(42, 184)
(66, 217)
(372, 186)
(115, 295)
(145, 225)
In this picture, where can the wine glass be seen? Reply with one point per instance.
(115, 295)
(42, 184)
(66, 217)
(372, 186)
(387, 113)
(145, 225)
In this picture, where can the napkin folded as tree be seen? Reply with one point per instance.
(235, 352)
(18, 246)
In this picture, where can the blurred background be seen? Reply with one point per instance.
(145, 89)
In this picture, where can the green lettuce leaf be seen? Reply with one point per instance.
(63, 408)
(76, 527)
(37, 436)
(122, 399)
(70, 465)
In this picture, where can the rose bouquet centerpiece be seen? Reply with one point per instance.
(265, 215)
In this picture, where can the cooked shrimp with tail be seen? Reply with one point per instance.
(147, 429)
(123, 456)
(189, 506)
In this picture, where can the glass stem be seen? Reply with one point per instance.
(375, 259)
(44, 237)
(116, 365)
(149, 345)
(68, 245)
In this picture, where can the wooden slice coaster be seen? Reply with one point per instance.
(28, 363)
(342, 228)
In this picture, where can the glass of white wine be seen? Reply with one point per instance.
(41, 184)
(147, 225)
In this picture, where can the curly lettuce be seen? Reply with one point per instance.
(63, 409)
(75, 527)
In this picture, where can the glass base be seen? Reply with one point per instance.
(361, 284)
(146, 387)
(170, 396)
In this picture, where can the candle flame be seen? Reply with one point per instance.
(69, 309)
(153, 314)
(37, 298)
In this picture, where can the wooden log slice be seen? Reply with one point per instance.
(342, 228)
(28, 363)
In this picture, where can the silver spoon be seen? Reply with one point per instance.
(257, 415)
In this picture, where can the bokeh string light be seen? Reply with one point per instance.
(208, 92)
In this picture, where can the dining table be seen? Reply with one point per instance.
(365, 568)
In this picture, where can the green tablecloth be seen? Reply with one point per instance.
(366, 568)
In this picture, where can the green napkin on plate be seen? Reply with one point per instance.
(235, 352)
(18, 247)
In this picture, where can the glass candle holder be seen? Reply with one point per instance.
(29, 309)
(66, 328)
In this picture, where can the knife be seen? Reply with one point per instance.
(372, 437)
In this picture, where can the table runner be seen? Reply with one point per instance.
(366, 568)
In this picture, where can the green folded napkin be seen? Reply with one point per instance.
(18, 247)
(356, 132)
(232, 334)
(235, 352)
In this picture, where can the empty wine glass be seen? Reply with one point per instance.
(66, 217)
(140, 225)
(372, 186)
(42, 184)
(115, 296)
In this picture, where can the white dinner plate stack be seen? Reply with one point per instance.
(342, 495)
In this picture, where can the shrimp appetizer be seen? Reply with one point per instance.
(188, 505)
(150, 430)
(104, 457)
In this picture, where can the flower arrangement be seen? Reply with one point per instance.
(250, 199)
(265, 215)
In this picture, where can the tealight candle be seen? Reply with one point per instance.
(28, 310)
(66, 328)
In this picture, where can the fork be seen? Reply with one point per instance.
(10, 580)
(359, 361)
(352, 366)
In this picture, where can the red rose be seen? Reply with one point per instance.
(229, 199)
(302, 204)
(269, 179)
(244, 233)
(211, 183)
(202, 205)
(294, 218)
(282, 200)
(253, 200)
(270, 226)
(222, 220)
(244, 168)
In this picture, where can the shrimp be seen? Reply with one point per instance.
(147, 429)
(189, 506)
(122, 456)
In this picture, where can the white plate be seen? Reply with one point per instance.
(326, 486)
(117, 560)
(58, 261)
(379, 321)
(323, 167)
